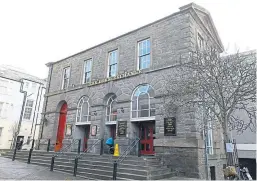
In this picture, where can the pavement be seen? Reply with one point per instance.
(16, 170)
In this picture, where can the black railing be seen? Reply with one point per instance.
(48, 141)
(85, 151)
(63, 150)
(134, 143)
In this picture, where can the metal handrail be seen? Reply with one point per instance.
(128, 149)
(38, 143)
(85, 151)
(92, 146)
(124, 155)
(62, 150)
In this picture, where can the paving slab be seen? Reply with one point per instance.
(16, 170)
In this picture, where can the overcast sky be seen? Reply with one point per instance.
(33, 33)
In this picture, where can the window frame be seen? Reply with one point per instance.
(28, 107)
(150, 98)
(116, 64)
(138, 53)
(63, 79)
(84, 71)
(200, 44)
(109, 107)
(83, 99)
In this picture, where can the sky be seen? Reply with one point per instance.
(33, 33)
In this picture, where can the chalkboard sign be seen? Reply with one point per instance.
(170, 126)
(122, 128)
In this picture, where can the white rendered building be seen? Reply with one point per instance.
(12, 83)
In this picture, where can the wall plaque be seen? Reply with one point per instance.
(170, 126)
(122, 128)
(68, 131)
(93, 130)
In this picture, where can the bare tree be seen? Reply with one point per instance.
(221, 86)
(14, 129)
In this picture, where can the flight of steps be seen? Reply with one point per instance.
(93, 167)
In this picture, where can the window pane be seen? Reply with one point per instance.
(152, 112)
(113, 70)
(134, 114)
(85, 109)
(134, 104)
(143, 113)
(147, 61)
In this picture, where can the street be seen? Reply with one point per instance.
(22, 171)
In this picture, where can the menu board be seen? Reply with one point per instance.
(170, 126)
(122, 128)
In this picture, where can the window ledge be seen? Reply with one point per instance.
(83, 123)
(142, 119)
(111, 122)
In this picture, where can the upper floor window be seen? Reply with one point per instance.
(1, 130)
(144, 54)
(26, 85)
(87, 71)
(28, 109)
(200, 41)
(209, 139)
(66, 78)
(83, 110)
(142, 104)
(113, 63)
(111, 109)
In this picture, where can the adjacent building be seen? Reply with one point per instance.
(114, 89)
(13, 85)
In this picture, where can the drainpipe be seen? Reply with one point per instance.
(50, 65)
(21, 115)
(35, 111)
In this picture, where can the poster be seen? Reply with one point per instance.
(229, 147)
(68, 130)
(93, 130)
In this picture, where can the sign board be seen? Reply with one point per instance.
(93, 130)
(122, 128)
(170, 126)
(229, 147)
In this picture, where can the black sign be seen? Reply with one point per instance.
(122, 128)
(170, 126)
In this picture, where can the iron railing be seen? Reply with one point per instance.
(85, 151)
(63, 150)
(134, 143)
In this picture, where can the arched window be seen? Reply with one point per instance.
(111, 109)
(142, 105)
(83, 110)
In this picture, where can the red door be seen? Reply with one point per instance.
(86, 137)
(61, 127)
(146, 140)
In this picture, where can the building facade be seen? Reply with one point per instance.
(12, 83)
(115, 90)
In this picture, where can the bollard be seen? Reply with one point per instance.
(30, 151)
(79, 144)
(52, 164)
(48, 145)
(102, 147)
(14, 152)
(114, 175)
(75, 167)
(139, 149)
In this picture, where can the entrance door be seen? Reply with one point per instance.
(86, 137)
(113, 131)
(61, 127)
(146, 140)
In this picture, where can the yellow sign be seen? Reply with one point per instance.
(120, 76)
(116, 150)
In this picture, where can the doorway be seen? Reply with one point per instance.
(86, 137)
(61, 127)
(213, 174)
(146, 133)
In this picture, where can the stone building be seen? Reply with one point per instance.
(119, 82)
